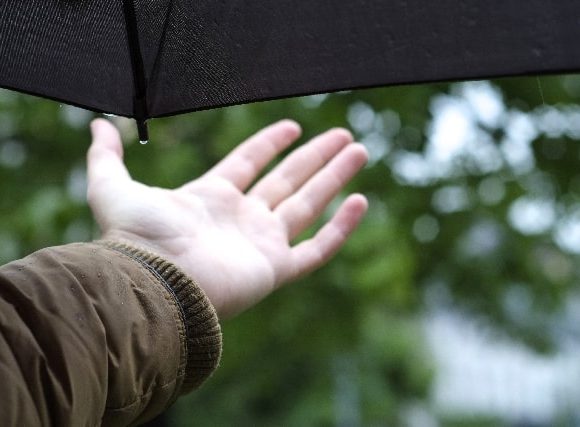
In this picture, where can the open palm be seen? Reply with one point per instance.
(236, 243)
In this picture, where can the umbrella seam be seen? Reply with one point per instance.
(139, 80)
(156, 64)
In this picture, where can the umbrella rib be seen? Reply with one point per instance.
(139, 79)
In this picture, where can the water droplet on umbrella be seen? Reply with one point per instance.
(143, 142)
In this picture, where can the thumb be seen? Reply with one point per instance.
(105, 156)
(105, 167)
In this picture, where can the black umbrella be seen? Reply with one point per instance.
(153, 58)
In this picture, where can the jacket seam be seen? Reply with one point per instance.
(175, 299)
(200, 328)
(140, 397)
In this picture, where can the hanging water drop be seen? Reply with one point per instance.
(142, 131)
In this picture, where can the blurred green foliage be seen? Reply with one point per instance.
(344, 346)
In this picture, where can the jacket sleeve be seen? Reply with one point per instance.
(100, 333)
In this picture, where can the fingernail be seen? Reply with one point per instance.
(292, 123)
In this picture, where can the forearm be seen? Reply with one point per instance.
(100, 333)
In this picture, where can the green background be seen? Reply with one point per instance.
(345, 346)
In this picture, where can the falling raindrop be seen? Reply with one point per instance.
(143, 142)
(541, 90)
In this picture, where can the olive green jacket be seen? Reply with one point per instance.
(100, 334)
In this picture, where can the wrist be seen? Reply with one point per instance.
(136, 241)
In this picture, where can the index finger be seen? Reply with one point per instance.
(246, 162)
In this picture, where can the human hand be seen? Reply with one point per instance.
(234, 242)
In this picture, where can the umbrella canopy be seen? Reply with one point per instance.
(156, 58)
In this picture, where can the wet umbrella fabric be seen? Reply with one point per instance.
(155, 58)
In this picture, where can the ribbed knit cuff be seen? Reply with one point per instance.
(203, 339)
